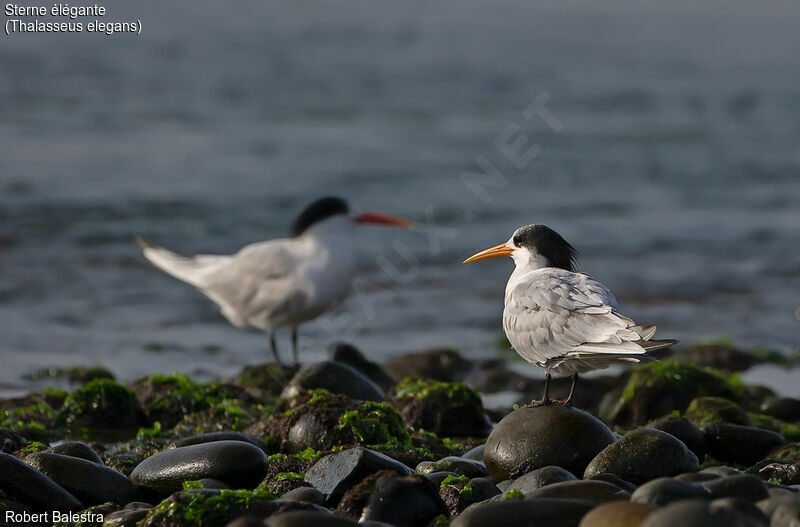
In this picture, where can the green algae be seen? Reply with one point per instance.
(682, 376)
(297, 476)
(705, 410)
(421, 388)
(453, 481)
(34, 447)
(513, 494)
(376, 425)
(202, 507)
(195, 484)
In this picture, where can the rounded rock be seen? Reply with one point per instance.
(694, 513)
(550, 512)
(21, 482)
(617, 514)
(746, 486)
(459, 465)
(642, 455)
(536, 437)
(592, 491)
(684, 430)
(540, 477)
(661, 491)
(78, 450)
(239, 464)
(336, 378)
(739, 444)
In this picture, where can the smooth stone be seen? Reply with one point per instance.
(437, 477)
(91, 483)
(505, 484)
(306, 494)
(608, 477)
(219, 436)
(308, 519)
(704, 410)
(721, 471)
(617, 514)
(744, 486)
(661, 491)
(696, 477)
(350, 355)
(10, 440)
(335, 474)
(459, 465)
(739, 444)
(532, 438)
(540, 477)
(684, 430)
(403, 502)
(784, 511)
(336, 378)
(694, 513)
(441, 364)
(211, 483)
(239, 464)
(79, 450)
(23, 483)
(247, 521)
(642, 455)
(783, 408)
(540, 512)
(125, 517)
(475, 453)
(743, 507)
(308, 432)
(593, 491)
(486, 488)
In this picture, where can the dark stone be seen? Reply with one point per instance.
(459, 465)
(782, 509)
(308, 519)
(783, 408)
(593, 491)
(662, 491)
(239, 464)
(102, 404)
(695, 477)
(783, 473)
(21, 482)
(790, 452)
(744, 486)
(269, 377)
(684, 430)
(219, 436)
(721, 471)
(545, 512)
(210, 483)
(705, 410)
(437, 477)
(309, 431)
(616, 514)
(531, 438)
(88, 481)
(739, 444)
(333, 475)
(403, 502)
(540, 477)
(443, 364)
(307, 494)
(350, 355)
(445, 409)
(336, 378)
(126, 517)
(247, 521)
(642, 455)
(692, 513)
(485, 487)
(743, 507)
(475, 453)
(608, 477)
(10, 440)
(79, 450)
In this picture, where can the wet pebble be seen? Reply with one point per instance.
(642, 455)
(540, 477)
(661, 491)
(684, 430)
(532, 438)
(695, 513)
(475, 453)
(739, 444)
(744, 486)
(593, 491)
(334, 474)
(335, 377)
(458, 465)
(308, 519)
(441, 364)
(21, 482)
(219, 436)
(784, 408)
(79, 450)
(350, 355)
(542, 512)
(403, 502)
(239, 464)
(88, 481)
(307, 494)
(617, 514)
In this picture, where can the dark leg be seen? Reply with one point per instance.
(295, 354)
(274, 346)
(568, 402)
(545, 396)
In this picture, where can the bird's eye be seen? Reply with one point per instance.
(517, 240)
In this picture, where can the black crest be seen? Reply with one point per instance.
(548, 243)
(317, 211)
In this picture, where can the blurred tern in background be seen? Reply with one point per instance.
(279, 283)
(562, 321)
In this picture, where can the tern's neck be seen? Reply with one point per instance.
(335, 234)
(525, 263)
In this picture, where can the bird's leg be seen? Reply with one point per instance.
(295, 354)
(274, 346)
(545, 396)
(568, 401)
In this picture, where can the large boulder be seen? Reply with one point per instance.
(535, 437)
(335, 377)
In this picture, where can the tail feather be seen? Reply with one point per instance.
(189, 270)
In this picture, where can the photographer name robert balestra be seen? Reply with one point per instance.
(49, 518)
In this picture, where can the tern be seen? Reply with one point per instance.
(562, 321)
(280, 283)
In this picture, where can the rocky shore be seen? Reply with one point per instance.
(348, 442)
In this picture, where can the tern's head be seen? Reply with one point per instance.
(535, 245)
(332, 212)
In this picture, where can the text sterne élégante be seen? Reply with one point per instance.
(64, 10)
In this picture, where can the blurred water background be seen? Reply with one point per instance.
(676, 173)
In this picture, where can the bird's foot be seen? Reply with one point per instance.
(565, 402)
(544, 402)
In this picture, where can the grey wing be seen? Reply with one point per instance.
(258, 287)
(559, 317)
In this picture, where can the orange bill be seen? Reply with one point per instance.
(491, 252)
